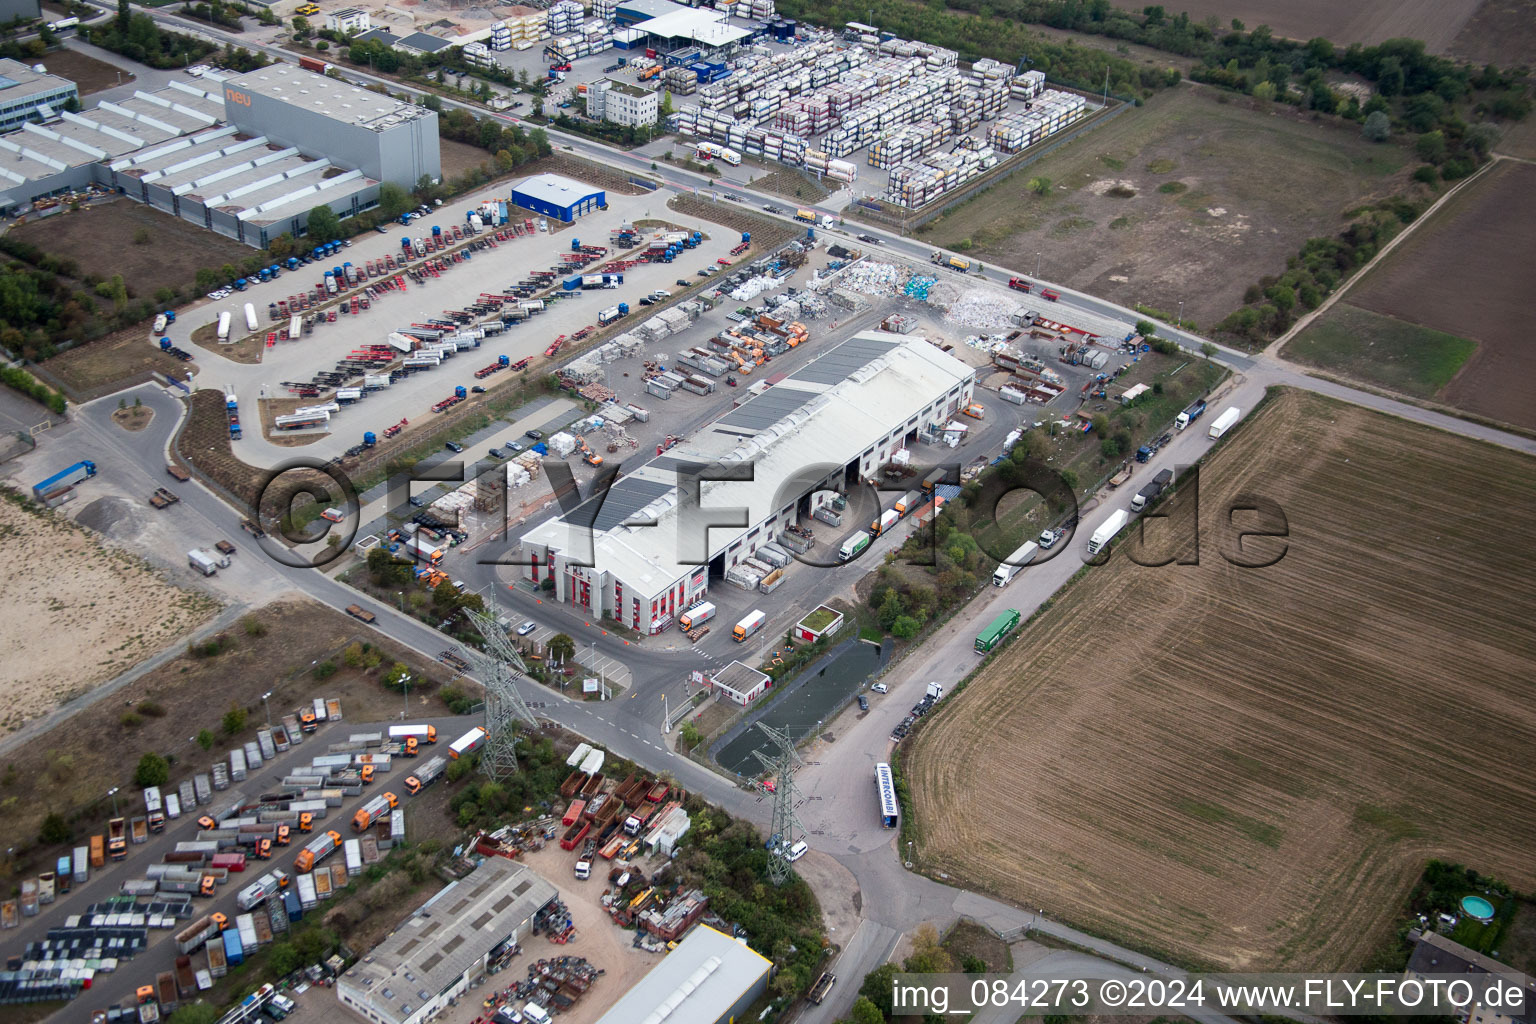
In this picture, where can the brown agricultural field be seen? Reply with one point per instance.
(1249, 767)
(1368, 22)
(1185, 199)
(1482, 293)
(1502, 32)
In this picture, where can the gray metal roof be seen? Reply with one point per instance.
(768, 408)
(443, 939)
(425, 42)
(841, 362)
(626, 497)
(696, 983)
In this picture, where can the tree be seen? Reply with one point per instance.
(1431, 147)
(1146, 328)
(878, 985)
(1039, 186)
(905, 627)
(324, 225)
(690, 734)
(1264, 91)
(393, 200)
(55, 830)
(203, 1013)
(205, 738)
(301, 26)
(1101, 425)
(234, 720)
(1208, 350)
(866, 1012)
(1378, 127)
(892, 607)
(973, 964)
(561, 647)
(124, 17)
(153, 770)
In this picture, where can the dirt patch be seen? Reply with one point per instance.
(115, 362)
(460, 158)
(1255, 182)
(1253, 773)
(69, 768)
(767, 234)
(1483, 294)
(88, 73)
(204, 444)
(101, 239)
(134, 418)
(967, 939)
(78, 612)
(246, 350)
(792, 184)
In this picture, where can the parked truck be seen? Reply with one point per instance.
(117, 838)
(1014, 564)
(1106, 533)
(959, 263)
(203, 561)
(425, 776)
(696, 616)
(887, 520)
(749, 625)
(138, 831)
(1189, 415)
(154, 809)
(1149, 493)
(853, 546)
(360, 614)
(373, 810)
(64, 479)
(1224, 422)
(319, 848)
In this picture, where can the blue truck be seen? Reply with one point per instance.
(65, 479)
(1189, 415)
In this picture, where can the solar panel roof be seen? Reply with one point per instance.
(838, 364)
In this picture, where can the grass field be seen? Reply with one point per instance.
(1381, 350)
(1186, 199)
(1249, 767)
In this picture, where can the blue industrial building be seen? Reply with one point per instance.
(560, 198)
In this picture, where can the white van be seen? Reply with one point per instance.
(535, 1014)
(797, 851)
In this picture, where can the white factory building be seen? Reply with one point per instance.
(828, 425)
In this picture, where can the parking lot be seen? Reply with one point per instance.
(488, 271)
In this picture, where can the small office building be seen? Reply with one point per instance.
(30, 95)
(622, 103)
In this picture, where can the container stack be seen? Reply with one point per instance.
(680, 81)
(604, 9)
(501, 36)
(1028, 85)
(920, 182)
(563, 17)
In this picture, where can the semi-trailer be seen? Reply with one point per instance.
(1106, 533)
(1224, 422)
(428, 774)
(467, 744)
(1014, 564)
(1189, 415)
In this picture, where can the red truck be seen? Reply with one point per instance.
(1018, 284)
(1047, 294)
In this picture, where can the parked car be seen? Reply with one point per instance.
(869, 239)
(532, 435)
(682, 282)
(880, 688)
(495, 453)
(646, 300)
(512, 447)
(863, 703)
(417, 502)
(477, 389)
(527, 627)
(454, 446)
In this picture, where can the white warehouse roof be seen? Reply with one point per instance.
(826, 414)
(556, 189)
(696, 983)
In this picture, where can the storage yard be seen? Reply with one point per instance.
(1268, 793)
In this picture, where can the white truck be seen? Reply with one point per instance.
(205, 562)
(1224, 422)
(1014, 564)
(1106, 533)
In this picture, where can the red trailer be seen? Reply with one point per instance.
(573, 812)
(228, 861)
(574, 835)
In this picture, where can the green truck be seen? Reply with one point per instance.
(993, 635)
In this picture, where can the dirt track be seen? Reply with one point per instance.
(1248, 767)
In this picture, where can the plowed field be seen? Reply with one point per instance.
(1249, 767)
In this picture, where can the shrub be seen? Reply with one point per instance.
(153, 770)
(205, 738)
(234, 720)
(130, 719)
(55, 830)
(152, 709)
(253, 626)
(325, 669)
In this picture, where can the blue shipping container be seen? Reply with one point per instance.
(233, 952)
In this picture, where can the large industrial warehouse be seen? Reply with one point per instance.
(232, 153)
(710, 978)
(832, 423)
(436, 952)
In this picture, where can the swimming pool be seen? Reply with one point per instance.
(1476, 906)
